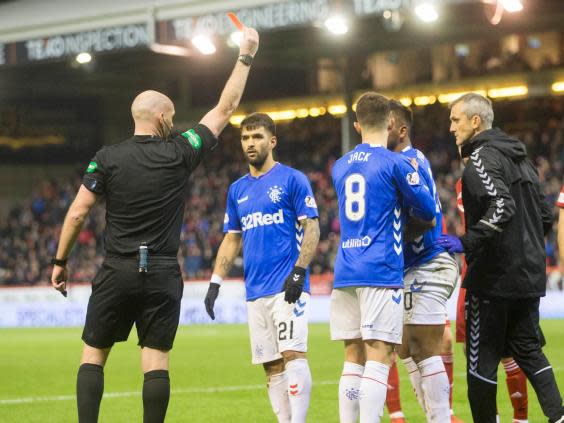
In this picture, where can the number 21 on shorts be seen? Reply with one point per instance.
(285, 331)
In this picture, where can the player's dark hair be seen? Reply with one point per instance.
(402, 114)
(257, 120)
(373, 111)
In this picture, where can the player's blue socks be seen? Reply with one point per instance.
(89, 390)
(156, 392)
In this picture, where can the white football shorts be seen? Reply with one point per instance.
(427, 289)
(276, 326)
(367, 313)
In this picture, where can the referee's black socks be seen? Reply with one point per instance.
(89, 390)
(156, 392)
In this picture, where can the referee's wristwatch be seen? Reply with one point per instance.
(59, 262)
(245, 59)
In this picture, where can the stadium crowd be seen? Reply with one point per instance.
(29, 235)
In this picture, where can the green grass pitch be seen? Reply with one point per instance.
(211, 376)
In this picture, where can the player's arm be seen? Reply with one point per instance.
(305, 207)
(416, 227)
(72, 225)
(415, 194)
(294, 283)
(226, 255)
(217, 118)
(484, 177)
(309, 243)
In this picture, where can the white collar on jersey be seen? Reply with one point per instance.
(407, 149)
(375, 145)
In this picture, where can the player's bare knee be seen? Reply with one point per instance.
(446, 344)
(380, 351)
(420, 350)
(273, 367)
(403, 350)
(354, 351)
(292, 355)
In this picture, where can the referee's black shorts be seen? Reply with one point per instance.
(122, 296)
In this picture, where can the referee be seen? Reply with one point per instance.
(143, 181)
(507, 218)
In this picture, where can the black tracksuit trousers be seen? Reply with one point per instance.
(497, 328)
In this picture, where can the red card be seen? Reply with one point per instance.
(235, 21)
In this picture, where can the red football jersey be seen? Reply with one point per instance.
(460, 315)
(459, 204)
(560, 201)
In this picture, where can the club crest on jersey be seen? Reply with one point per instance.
(275, 193)
(413, 178)
(310, 202)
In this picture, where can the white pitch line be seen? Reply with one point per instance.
(209, 390)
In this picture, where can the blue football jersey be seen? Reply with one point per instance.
(372, 184)
(422, 249)
(267, 211)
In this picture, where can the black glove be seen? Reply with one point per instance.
(294, 285)
(211, 296)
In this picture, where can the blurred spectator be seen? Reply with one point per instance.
(28, 236)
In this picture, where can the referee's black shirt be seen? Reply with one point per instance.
(143, 180)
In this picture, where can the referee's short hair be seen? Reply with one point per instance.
(373, 111)
(258, 120)
(474, 104)
(402, 113)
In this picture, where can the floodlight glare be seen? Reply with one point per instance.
(204, 44)
(83, 58)
(337, 25)
(235, 38)
(512, 6)
(426, 12)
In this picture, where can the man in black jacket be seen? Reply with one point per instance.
(507, 218)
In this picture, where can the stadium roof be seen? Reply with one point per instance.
(287, 57)
(22, 19)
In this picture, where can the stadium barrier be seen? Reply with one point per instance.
(44, 307)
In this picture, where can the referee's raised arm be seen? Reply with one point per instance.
(217, 118)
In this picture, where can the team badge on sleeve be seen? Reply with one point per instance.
(92, 166)
(413, 178)
(560, 202)
(193, 138)
(310, 202)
